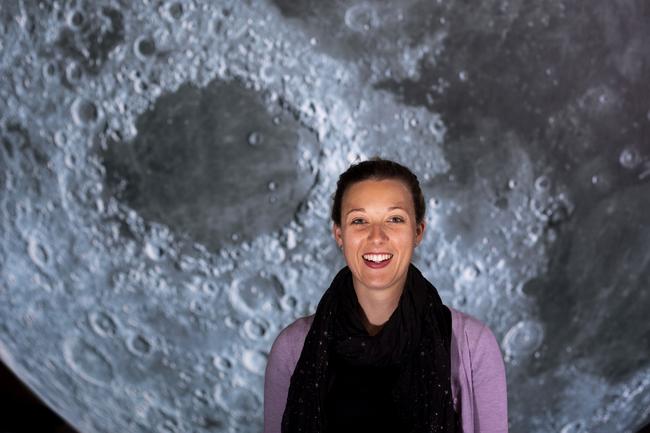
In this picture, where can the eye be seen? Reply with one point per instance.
(355, 220)
(397, 219)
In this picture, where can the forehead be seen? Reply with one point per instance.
(383, 191)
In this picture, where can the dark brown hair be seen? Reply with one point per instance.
(377, 168)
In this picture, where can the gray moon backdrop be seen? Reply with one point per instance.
(167, 171)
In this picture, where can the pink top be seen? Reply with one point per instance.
(478, 379)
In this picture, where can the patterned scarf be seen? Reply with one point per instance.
(416, 341)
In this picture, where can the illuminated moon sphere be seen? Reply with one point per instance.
(168, 168)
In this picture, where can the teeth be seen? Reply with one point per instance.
(377, 257)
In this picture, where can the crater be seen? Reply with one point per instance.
(523, 339)
(139, 345)
(254, 361)
(89, 38)
(87, 361)
(192, 166)
(38, 252)
(256, 328)
(254, 294)
(102, 323)
(238, 401)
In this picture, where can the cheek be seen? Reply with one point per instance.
(352, 238)
(405, 237)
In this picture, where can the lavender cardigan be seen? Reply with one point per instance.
(478, 380)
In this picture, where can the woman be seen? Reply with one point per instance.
(382, 353)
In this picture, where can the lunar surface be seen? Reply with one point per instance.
(167, 169)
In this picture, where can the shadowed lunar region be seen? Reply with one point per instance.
(167, 171)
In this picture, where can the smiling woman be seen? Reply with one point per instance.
(382, 353)
(377, 234)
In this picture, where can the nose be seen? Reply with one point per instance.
(377, 233)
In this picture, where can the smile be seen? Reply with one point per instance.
(377, 258)
(376, 261)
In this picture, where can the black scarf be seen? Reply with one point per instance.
(415, 343)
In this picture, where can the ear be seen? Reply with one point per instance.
(419, 232)
(336, 232)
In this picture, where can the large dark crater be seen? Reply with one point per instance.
(219, 163)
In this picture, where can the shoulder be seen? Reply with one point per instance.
(297, 330)
(476, 344)
(281, 362)
(471, 334)
(288, 344)
(467, 326)
(481, 374)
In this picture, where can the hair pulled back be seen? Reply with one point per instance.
(377, 168)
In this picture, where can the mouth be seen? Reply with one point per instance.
(376, 261)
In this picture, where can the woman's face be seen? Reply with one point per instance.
(378, 217)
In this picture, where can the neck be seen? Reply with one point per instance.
(377, 308)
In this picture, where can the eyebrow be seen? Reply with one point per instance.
(363, 210)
